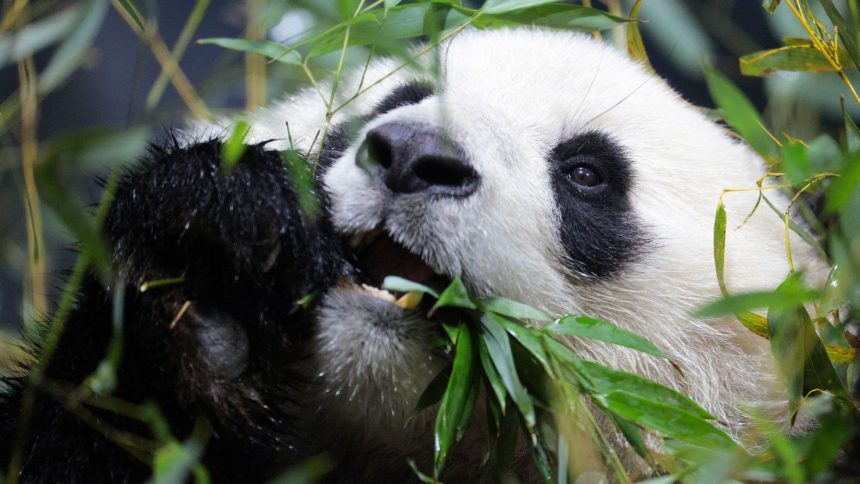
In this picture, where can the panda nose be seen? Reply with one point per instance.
(419, 158)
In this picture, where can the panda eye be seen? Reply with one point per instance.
(585, 175)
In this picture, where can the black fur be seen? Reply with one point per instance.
(410, 93)
(233, 357)
(598, 229)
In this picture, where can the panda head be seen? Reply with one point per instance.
(548, 168)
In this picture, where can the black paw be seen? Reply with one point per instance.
(180, 212)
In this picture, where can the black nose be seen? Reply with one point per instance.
(419, 158)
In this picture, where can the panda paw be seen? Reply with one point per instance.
(180, 212)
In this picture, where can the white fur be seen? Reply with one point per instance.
(508, 97)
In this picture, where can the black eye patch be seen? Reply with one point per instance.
(343, 134)
(591, 179)
(403, 95)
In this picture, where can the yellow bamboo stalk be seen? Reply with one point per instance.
(35, 276)
(255, 64)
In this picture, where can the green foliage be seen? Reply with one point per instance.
(509, 354)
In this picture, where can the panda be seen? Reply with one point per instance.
(541, 166)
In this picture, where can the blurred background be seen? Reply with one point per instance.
(96, 111)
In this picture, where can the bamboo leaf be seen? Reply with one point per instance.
(789, 294)
(456, 406)
(454, 295)
(604, 380)
(394, 283)
(234, 147)
(796, 57)
(69, 54)
(846, 30)
(529, 338)
(434, 392)
(796, 163)
(852, 132)
(513, 309)
(665, 419)
(268, 48)
(505, 6)
(802, 359)
(38, 35)
(635, 44)
(632, 434)
(493, 377)
(499, 349)
(556, 15)
(740, 113)
(586, 327)
(844, 186)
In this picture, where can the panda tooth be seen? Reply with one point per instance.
(409, 300)
(380, 293)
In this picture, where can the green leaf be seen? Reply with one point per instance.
(69, 54)
(852, 132)
(635, 44)
(504, 454)
(173, 462)
(788, 295)
(605, 380)
(133, 12)
(394, 283)
(556, 16)
(665, 419)
(795, 162)
(434, 392)
(310, 470)
(377, 27)
(846, 31)
(632, 434)
(833, 294)
(499, 349)
(720, 246)
(529, 338)
(268, 48)
(504, 6)
(69, 155)
(454, 295)
(796, 57)
(303, 182)
(456, 406)
(96, 150)
(420, 475)
(493, 377)
(389, 4)
(801, 357)
(234, 146)
(770, 5)
(740, 113)
(843, 187)
(513, 309)
(586, 327)
(38, 35)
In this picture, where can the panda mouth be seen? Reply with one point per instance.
(377, 255)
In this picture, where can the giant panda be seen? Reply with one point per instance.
(542, 166)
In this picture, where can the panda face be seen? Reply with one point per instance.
(548, 168)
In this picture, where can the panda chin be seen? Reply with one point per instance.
(376, 351)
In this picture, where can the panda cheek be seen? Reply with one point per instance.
(356, 203)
